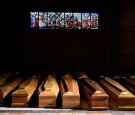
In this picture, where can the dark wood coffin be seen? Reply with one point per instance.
(119, 97)
(69, 92)
(5, 76)
(128, 81)
(23, 94)
(93, 94)
(48, 92)
(8, 85)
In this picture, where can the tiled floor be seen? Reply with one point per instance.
(43, 111)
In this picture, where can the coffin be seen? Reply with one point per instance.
(131, 81)
(128, 75)
(69, 92)
(94, 95)
(7, 86)
(48, 92)
(119, 97)
(5, 76)
(23, 94)
(128, 81)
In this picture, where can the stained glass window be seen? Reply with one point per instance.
(42, 20)
(34, 19)
(69, 20)
(85, 20)
(51, 20)
(94, 20)
(59, 20)
(77, 21)
(64, 20)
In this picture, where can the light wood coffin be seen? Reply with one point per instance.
(25, 91)
(94, 95)
(119, 97)
(48, 92)
(70, 92)
(8, 86)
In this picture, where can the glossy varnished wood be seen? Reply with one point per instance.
(5, 76)
(93, 94)
(128, 81)
(25, 91)
(8, 86)
(48, 92)
(119, 97)
(70, 92)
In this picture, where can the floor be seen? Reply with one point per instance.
(49, 111)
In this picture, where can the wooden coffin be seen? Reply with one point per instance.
(5, 76)
(119, 97)
(23, 94)
(93, 94)
(48, 92)
(129, 83)
(69, 92)
(8, 86)
(128, 75)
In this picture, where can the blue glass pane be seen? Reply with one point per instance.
(85, 20)
(94, 20)
(51, 20)
(77, 21)
(69, 20)
(59, 20)
(34, 19)
(42, 20)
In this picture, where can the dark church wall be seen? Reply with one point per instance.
(104, 49)
(127, 35)
(64, 49)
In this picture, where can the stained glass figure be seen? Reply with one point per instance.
(85, 20)
(69, 20)
(59, 20)
(51, 20)
(94, 20)
(42, 20)
(77, 21)
(34, 19)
